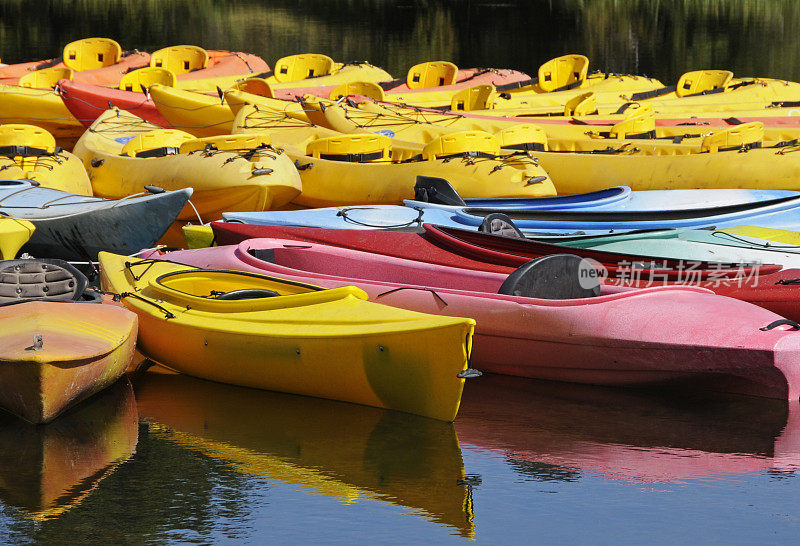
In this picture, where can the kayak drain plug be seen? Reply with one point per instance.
(38, 343)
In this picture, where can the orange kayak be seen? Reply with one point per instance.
(55, 354)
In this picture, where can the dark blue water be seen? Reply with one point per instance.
(176, 459)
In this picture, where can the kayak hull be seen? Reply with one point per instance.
(78, 356)
(327, 344)
(649, 341)
(74, 227)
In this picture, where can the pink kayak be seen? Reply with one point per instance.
(652, 336)
(467, 77)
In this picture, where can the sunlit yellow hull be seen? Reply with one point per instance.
(222, 181)
(13, 234)
(85, 348)
(322, 343)
(780, 236)
(206, 115)
(604, 89)
(639, 163)
(42, 108)
(331, 183)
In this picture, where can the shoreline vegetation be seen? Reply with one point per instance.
(650, 37)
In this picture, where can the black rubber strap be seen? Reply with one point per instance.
(645, 135)
(644, 95)
(624, 107)
(526, 146)
(786, 104)
(743, 147)
(482, 155)
(25, 151)
(352, 158)
(159, 152)
(707, 92)
(516, 85)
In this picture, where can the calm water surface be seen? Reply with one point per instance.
(174, 459)
(180, 459)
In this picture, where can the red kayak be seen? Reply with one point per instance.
(86, 102)
(480, 251)
(607, 335)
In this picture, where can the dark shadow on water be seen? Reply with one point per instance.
(551, 431)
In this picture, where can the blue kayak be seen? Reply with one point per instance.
(781, 211)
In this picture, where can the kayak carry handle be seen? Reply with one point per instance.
(781, 322)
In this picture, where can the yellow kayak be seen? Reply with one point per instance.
(605, 90)
(30, 152)
(123, 154)
(780, 236)
(737, 157)
(258, 331)
(307, 446)
(55, 354)
(339, 169)
(740, 97)
(42, 108)
(13, 235)
(206, 115)
(413, 124)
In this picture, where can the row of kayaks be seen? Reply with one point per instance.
(396, 319)
(449, 240)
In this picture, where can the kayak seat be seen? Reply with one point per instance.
(355, 148)
(553, 277)
(431, 74)
(248, 294)
(584, 104)
(18, 140)
(255, 86)
(143, 78)
(703, 81)
(91, 53)
(180, 59)
(46, 78)
(740, 137)
(299, 67)
(42, 279)
(523, 137)
(430, 189)
(477, 143)
(501, 225)
(365, 89)
(156, 143)
(477, 97)
(639, 123)
(565, 72)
